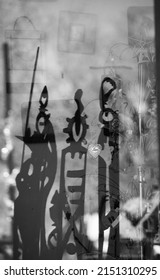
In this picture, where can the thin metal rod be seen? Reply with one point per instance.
(157, 46)
(140, 146)
(7, 80)
(30, 100)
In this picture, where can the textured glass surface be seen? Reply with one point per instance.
(79, 148)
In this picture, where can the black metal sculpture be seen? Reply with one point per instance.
(67, 212)
(108, 136)
(34, 183)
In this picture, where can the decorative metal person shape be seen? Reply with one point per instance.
(68, 205)
(34, 182)
(108, 138)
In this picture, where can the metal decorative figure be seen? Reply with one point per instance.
(67, 238)
(34, 183)
(108, 136)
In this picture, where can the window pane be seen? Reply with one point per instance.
(79, 147)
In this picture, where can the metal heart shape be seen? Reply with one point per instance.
(94, 150)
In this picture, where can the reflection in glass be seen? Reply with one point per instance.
(105, 50)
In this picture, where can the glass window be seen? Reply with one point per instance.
(79, 164)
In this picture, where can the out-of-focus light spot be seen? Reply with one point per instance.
(4, 153)
(137, 99)
(5, 174)
(15, 172)
(92, 228)
(91, 222)
(7, 131)
(156, 249)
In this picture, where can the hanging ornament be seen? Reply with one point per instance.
(94, 150)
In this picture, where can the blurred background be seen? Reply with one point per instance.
(80, 43)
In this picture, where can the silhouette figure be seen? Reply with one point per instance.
(34, 183)
(108, 136)
(67, 212)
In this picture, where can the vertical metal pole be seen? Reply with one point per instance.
(140, 80)
(30, 101)
(7, 98)
(7, 91)
(157, 47)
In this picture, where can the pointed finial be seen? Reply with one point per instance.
(44, 98)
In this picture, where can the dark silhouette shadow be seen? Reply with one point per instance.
(67, 212)
(109, 134)
(34, 183)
